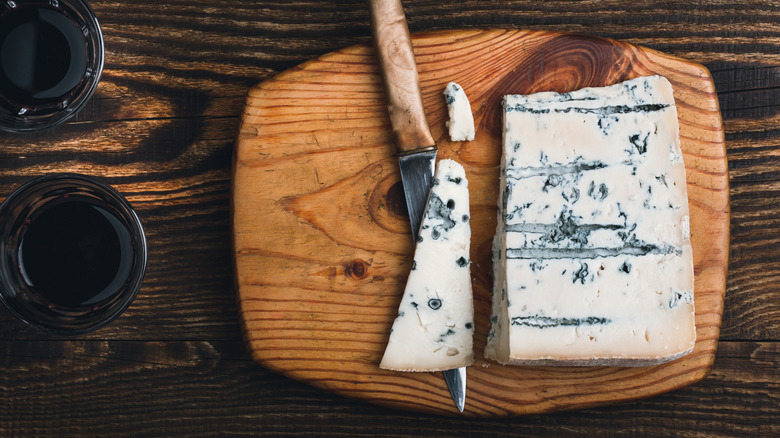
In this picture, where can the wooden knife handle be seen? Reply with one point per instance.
(399, 74)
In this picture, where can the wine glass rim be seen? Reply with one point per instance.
(35, 189)
(95, 63)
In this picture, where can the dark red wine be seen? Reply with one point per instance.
(76, 253)
(43, 55)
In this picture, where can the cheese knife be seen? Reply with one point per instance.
(416, 147)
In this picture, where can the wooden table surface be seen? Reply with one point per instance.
(162, 128)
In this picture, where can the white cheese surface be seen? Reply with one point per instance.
(435, 324)
(461, 122)
(592, 254)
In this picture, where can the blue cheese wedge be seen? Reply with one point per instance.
(592, 252)
(461, 123)
(435, 324)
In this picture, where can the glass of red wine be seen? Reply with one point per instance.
(51, 59)
(72, 253)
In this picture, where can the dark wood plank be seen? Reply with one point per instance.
(750, 102)
(122, 388)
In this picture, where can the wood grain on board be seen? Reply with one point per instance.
(321, 237)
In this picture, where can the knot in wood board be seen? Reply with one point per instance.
(395, 200)
(357, 269)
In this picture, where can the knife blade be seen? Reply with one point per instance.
(416, 146)
(417, 177)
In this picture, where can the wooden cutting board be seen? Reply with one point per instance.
(321, 237)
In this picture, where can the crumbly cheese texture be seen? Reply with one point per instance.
(434, 328)
(592, 252)
(461, 122)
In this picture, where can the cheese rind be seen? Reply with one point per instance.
(592, 255)
(461, 122)
(435, 324)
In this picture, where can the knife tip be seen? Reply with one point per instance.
(456, 383)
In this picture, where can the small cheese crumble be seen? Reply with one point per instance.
(461, 123)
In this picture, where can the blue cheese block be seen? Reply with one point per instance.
(461, 122)
(435, 324)
(592, 253)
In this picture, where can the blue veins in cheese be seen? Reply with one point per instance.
(461, 122)
(592, 252)
(435, 324)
